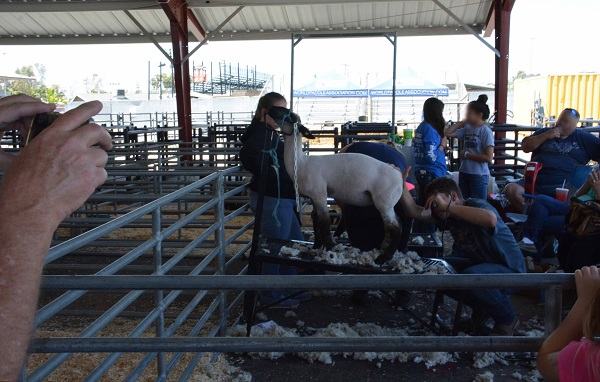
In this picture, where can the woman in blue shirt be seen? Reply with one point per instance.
(430, 151)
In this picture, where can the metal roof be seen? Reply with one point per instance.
(107, 21)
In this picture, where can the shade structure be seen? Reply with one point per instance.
(331, 85)
(409, 84)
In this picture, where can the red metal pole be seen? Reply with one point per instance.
(177, 12)
(502, 26)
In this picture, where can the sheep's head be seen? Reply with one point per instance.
(287, 119)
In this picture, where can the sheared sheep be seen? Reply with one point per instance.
(350, 178)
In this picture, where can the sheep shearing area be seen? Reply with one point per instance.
(156, 217)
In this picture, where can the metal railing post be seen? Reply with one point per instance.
(552, 309)
(219, 217)
(159, 294)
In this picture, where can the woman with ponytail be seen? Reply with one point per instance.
(477, 141)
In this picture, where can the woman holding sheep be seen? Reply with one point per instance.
(279, 220)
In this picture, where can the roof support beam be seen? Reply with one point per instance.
(149, 36)
(177, 12)
(194, 26)
(502, 35)
(212, 33)
(466, 26)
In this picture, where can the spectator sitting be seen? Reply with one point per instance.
(572, 352)
(486, 242)
(52, 176)
(547, 215)
(560, 150)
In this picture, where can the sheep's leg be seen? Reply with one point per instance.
(393, 234)
(321, 225)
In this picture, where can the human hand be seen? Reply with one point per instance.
(594, 181)
(553, 133)
(16, 112)
(587, 281)
(58, 170)
(437, 202)
(444, 142)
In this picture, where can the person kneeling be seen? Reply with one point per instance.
(486, 246)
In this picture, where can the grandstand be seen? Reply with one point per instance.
(226, 79)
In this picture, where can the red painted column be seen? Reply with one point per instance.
(177, 12)
(502, 10)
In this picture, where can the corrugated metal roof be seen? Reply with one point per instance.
(105, 21)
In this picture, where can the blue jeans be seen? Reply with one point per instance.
(494, 302)
(546, 216)
(288, 229)
(424, 179)
(473, 186)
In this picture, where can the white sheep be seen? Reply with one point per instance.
(349, 178)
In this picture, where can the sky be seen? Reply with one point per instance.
(547, 37)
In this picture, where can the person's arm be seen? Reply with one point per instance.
(53, 176)
(592, 181)
(534, 141)
(451, 130)
(434, 146)
(571, 329)
(476, 216)
(487, 157)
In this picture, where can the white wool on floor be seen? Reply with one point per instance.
(344, 330)
(482, 360)
(406, 263)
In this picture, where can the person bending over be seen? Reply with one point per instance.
(547, 215)
(486, 244)
(364, 224)
(560, 149)
(51, 177)
(477, 141)
(279, 220)
(572, 352)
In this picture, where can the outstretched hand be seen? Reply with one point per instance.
(57, 171)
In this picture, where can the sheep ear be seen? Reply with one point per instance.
(305, 132)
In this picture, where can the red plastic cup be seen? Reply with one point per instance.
(562, 194)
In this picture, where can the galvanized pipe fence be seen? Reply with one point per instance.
(181, 280)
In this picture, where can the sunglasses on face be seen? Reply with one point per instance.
(572, 112)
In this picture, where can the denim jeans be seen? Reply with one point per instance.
(546, 216)
(288, 229)
(424, 179)
(473, 186)
(494, 302)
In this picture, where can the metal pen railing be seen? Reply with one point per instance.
(217, 312)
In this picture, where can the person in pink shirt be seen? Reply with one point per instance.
(572, 352)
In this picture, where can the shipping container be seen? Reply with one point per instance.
(540, 98)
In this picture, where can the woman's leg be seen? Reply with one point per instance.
(277, 221)
(424, 179)
(545, 214)
(478, 186)
(464, 183)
